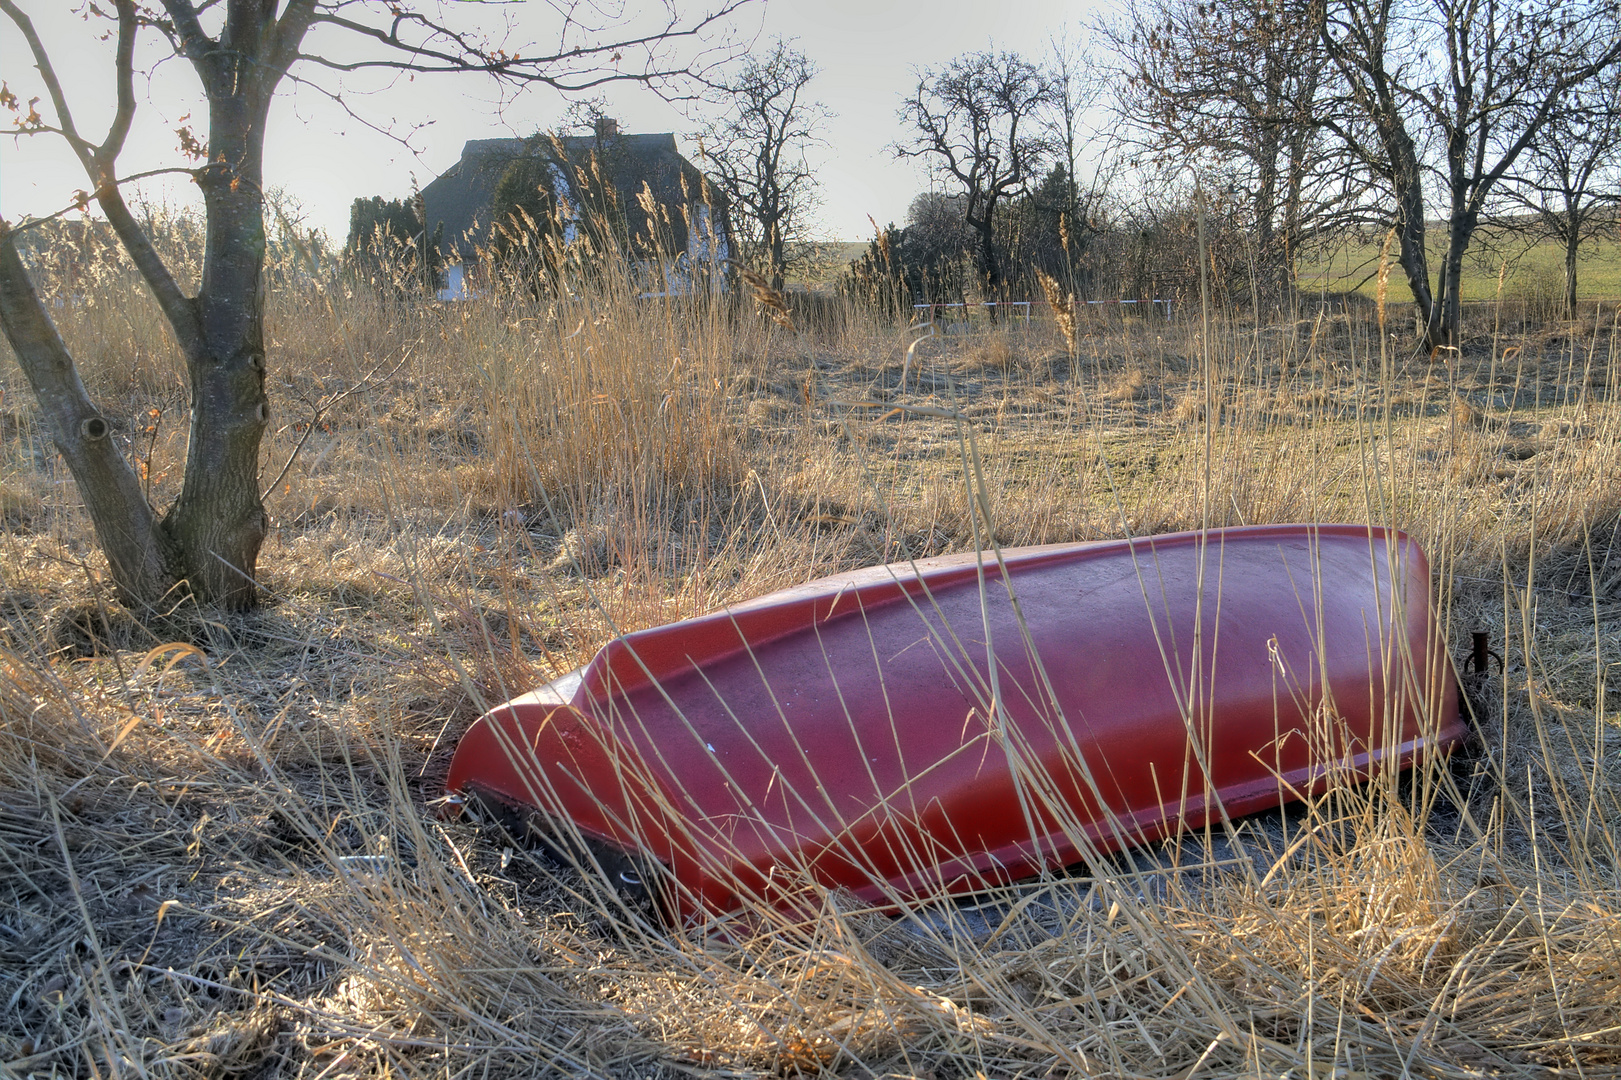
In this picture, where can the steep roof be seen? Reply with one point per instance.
(461, 197)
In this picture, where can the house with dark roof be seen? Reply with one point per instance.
(650, 196)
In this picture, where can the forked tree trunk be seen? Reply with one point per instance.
(1377, 95)
(219, 522)
(206, 546)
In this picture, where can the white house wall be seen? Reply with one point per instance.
(566, 201)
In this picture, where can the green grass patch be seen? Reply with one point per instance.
(1529, 270)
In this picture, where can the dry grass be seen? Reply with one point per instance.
(221, 859)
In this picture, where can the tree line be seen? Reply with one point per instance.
(1285, 124)
(1392, 114)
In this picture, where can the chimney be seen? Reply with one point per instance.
(607, 127)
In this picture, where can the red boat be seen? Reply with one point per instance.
(956, 723)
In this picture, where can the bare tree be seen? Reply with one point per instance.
(1231, 90)
(755, 152)
(1075, 86)
(207, 544)
(977, 119)
(1569, 181)
(1483, 79)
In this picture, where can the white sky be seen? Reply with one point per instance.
(867, 50)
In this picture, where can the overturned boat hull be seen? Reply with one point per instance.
(956, 723)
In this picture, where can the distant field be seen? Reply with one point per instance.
(837, 257)
(1532, 273)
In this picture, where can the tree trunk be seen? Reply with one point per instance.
(210, 539)
(1572, 240)
(218, 523)
(990, 271)
(1410, 234)
(1376, 95)
(125, 526)
(777, 254)
(1269, 264)
(1445, 324)
(1291, 239)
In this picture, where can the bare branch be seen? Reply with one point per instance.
(430, 46)
(124, 66)
(294, 24)
(179, 309)
(100, 163)
(342, 101)
(368, 382)
(79, 204)
(53, 86)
